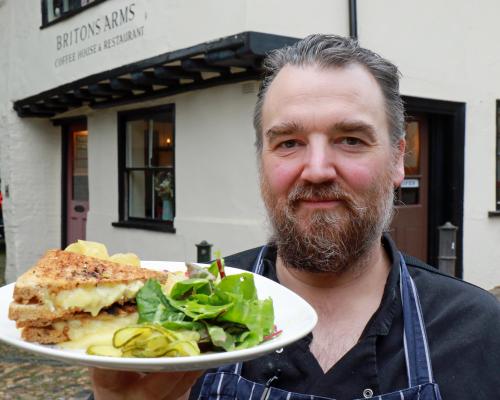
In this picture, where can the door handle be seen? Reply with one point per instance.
(79, 208)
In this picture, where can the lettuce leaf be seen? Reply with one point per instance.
(225, 312)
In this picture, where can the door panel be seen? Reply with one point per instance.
(77, 185)
(410, 224)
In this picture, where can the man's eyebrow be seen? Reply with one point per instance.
(354, 126)
(345, 126)
(285, 128)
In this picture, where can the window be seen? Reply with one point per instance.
(147, 174)
(54, 10)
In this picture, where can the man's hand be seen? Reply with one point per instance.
(114, 385)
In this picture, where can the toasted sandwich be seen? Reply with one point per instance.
(74, 298)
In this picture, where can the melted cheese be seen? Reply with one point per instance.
(94, 332)
(93, 299)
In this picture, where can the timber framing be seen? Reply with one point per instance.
(227, 60)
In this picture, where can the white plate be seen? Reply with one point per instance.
(293, 315)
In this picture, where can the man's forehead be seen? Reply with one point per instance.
(351, 83)
(290, 73)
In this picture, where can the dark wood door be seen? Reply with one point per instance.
(410, 224)
(77, 196)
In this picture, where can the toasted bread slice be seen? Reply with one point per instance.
(36, 314)
(80, 325)
(60, 270)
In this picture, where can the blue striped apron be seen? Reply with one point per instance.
(228, 384)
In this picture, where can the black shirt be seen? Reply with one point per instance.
(463, 330)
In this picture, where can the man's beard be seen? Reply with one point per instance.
(327, 240)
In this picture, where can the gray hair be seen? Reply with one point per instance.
(335, 51)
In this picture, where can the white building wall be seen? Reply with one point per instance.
(29, 166)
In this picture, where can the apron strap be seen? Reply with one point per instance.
(231, 368)
(257, 268)
(258, 265)
(417, 355)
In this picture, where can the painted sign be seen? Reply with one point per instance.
(102, 33)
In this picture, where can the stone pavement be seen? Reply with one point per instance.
(24, 376)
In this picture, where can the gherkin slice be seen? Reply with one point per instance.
(104, 350)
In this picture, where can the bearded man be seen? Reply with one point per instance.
(330, 141)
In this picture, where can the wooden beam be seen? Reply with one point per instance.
(128, 85)
(41, 111)
(70, 100)
(198, 65)
(149, 78)
(84, 94)
(105, 89)
(176, 73)
(55, 106)
(230, 58)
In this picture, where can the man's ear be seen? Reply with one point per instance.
(399, 163)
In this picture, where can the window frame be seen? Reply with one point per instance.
(123, 200)
(64, 16)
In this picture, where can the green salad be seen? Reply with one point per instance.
(209, 311)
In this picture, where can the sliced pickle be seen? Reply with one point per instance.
(151, 340)
(104, 350)
(124, 335)
(183, 348)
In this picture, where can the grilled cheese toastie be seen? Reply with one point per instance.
(69, 297)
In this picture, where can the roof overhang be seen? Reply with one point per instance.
(227, 60)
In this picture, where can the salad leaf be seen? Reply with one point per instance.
(190, 286)
(153, 305)
(240, 284)
(256, 315)
(221, 312)
(221, 338)
(197, 271)
(196, 311)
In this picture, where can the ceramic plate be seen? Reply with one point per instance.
(293, 315)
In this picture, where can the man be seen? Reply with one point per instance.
(330, 141)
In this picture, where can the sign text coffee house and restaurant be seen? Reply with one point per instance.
(90, 35)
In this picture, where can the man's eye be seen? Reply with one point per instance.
(288, 144)
(351, 141)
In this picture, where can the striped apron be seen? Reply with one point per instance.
(228, 384)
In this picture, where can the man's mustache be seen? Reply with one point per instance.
(319, 192)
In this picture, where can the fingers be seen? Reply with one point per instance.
(111, 379)
(164, 385)
(110, 385)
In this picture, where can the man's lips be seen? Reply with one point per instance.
(319, 203)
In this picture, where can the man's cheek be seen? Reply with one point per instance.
(280, 179)
(361, 178)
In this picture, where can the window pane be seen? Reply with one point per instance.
(137, 143)
(409, 196)
(57, 8)
(412, 156)
(151, 195)
(163, 148)
(139, 194)
(164, 193)
(80, 181)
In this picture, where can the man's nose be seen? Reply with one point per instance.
(319, 163)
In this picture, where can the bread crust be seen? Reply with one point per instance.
(57, 330)
(62, 270)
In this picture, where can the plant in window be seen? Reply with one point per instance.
(164, 185)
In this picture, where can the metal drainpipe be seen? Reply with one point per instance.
(353, 19)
